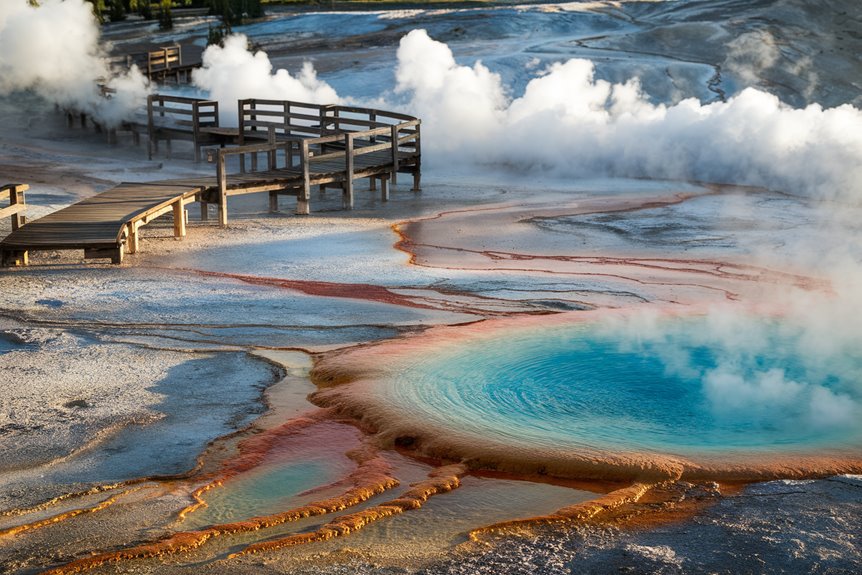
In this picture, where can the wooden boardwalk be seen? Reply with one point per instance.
(107, 225)
(102, 224)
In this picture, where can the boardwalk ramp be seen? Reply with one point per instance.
(103, 224)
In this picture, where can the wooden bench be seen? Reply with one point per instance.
(179, 118)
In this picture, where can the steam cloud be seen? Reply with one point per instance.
(54, 50)
(232, 73)
(570, 124)
(822, 392)
(750, 54)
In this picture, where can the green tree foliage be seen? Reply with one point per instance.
(232, 12)
(166, 21)
(116, 10)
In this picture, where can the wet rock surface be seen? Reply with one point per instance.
(774, 527)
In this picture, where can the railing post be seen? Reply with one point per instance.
(222, 189)
(328, 112)
(16, 208)
(286, 119)
(271, 155)
(302, 202)
(254, 128)
(151, 132)
(16, 198)
(196, 129)
(394, 132)
(240, 140)
(347, 197)
(417, 171)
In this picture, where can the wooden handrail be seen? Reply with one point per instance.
(188, 115)
(288, 127)
(17, 203)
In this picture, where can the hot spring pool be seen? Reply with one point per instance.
(680, 386)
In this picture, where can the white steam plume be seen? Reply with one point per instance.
(233, 73)
(804, 372)
(569, 123)
(749, 54)
(54, 50)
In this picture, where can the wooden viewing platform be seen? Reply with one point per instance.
(350, 144)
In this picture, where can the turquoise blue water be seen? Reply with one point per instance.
(676, 386)
(262, 492)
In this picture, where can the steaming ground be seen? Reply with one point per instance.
(116, 353)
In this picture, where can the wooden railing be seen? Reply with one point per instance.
(159, 64)
(296, 162)
(162, 60)
(14, 194)
(277, 120)
(174, 117)
(258, 117)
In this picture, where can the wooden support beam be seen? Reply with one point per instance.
(271, 157)
(222, 187)
(384, 189)
(372, 184)
(394, 143)
(205, 210)
(288, 155)
(15, 258)
(115, 254)
(273, 201)
(302, 201)
(347, 197)
(179, 219)
(195, 130)
(152, 141)
(133, 243)
(416, 180)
